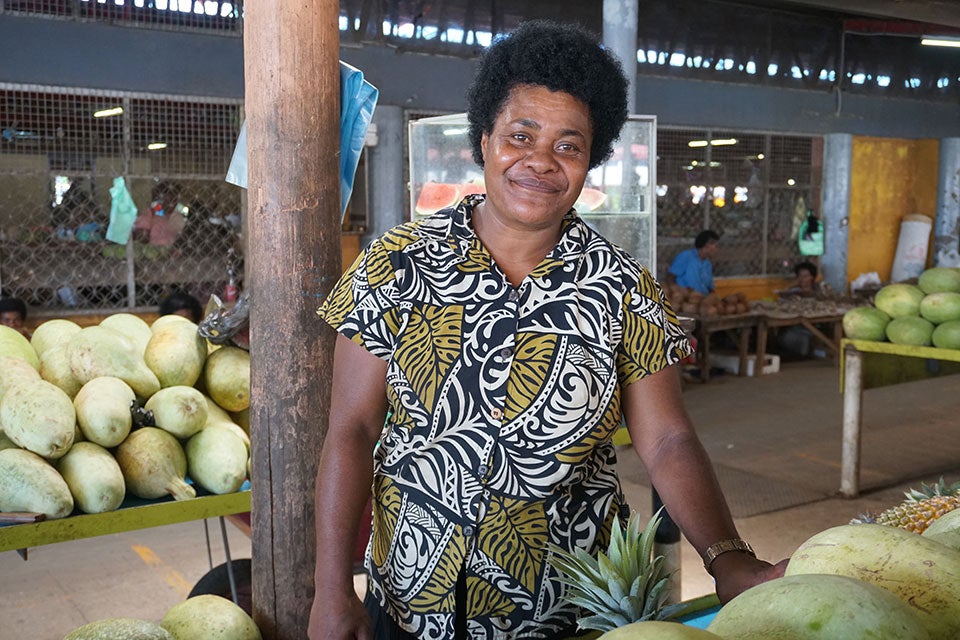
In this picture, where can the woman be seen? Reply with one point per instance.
(501, 340)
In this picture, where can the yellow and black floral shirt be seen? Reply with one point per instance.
(503, 402)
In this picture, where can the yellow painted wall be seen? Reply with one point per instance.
(890, 178)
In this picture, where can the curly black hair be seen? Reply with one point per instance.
(560, 57)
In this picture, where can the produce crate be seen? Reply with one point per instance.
(731, 362)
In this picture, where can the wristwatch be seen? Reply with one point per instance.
(718, 548)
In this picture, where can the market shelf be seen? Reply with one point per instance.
(133, 514)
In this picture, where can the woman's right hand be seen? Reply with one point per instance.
(339, 619)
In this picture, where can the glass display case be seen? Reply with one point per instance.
(618, 198)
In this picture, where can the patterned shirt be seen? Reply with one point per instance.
(502, 405)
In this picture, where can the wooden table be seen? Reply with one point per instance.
(830, 340)
(706, 325)
(853, 381)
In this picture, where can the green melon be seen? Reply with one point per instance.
(120, 629)
(940, 307)
(13, 343)
(899, 300)
(209, 617)
(947, 335)
(940, 279)
(817, 607)
(865, 323)
(910, 331)
(658, 630)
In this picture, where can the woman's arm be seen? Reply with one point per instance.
(358, 407)
(664, 438)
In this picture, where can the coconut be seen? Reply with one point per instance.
(154, 465)
(103, 410)
(180, 410)
(94, 477)
(209, 617)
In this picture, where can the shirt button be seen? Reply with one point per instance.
(506, 352)
(514, 296)
(468, 531)
(482, 469)
(497, 414)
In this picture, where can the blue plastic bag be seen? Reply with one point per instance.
(358, 98)
(123, 212)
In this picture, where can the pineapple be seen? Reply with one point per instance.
(621, 586)
(921, 507)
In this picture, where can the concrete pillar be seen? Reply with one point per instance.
(388, 193)
(946, 227)
(620, 37)
(835, 208)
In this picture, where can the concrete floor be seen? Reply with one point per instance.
(774, 440)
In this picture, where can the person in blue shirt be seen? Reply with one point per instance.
(692, 268)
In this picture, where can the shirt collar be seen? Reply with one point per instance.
(467, 245)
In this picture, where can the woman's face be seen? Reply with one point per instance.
(536, 157)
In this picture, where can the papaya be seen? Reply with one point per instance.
(921, 572)
(217, 459)
(209, 617)
(38, 416)
(103, 410)
(30, 483)
(154, 465)
(176, 353)
(55, 369)
(132, 326)
(119, 629)
(227, 378)
(817, 607)
(100, 351)
(13, 371)
(52, 332)
(13, 343)
(94, 478)
(180, 410)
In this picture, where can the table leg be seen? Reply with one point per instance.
(703, 355)
(852, 401)
(744, 350)
(761, 348)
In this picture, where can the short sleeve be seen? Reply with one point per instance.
(652, 336)
(363, 304)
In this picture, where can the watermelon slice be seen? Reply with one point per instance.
(590, 199)
(471, 187)
(435, 196)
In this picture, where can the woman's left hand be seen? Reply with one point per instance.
(737, 572)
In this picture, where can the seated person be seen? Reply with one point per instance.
(13, 314)
(183, 304)
(806, 285)
(692, 268)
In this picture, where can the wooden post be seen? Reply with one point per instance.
(292, 81)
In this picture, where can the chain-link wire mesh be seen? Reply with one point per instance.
(753, 189)
(206, 15)
(60, 152)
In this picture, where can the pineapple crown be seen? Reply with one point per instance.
(626, 584)
(929, 491)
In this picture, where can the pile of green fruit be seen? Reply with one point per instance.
(922, 314)
(205, 617)
(90, 415)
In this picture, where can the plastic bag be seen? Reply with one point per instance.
(358, 98)
(123, 212)
(810, 238)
